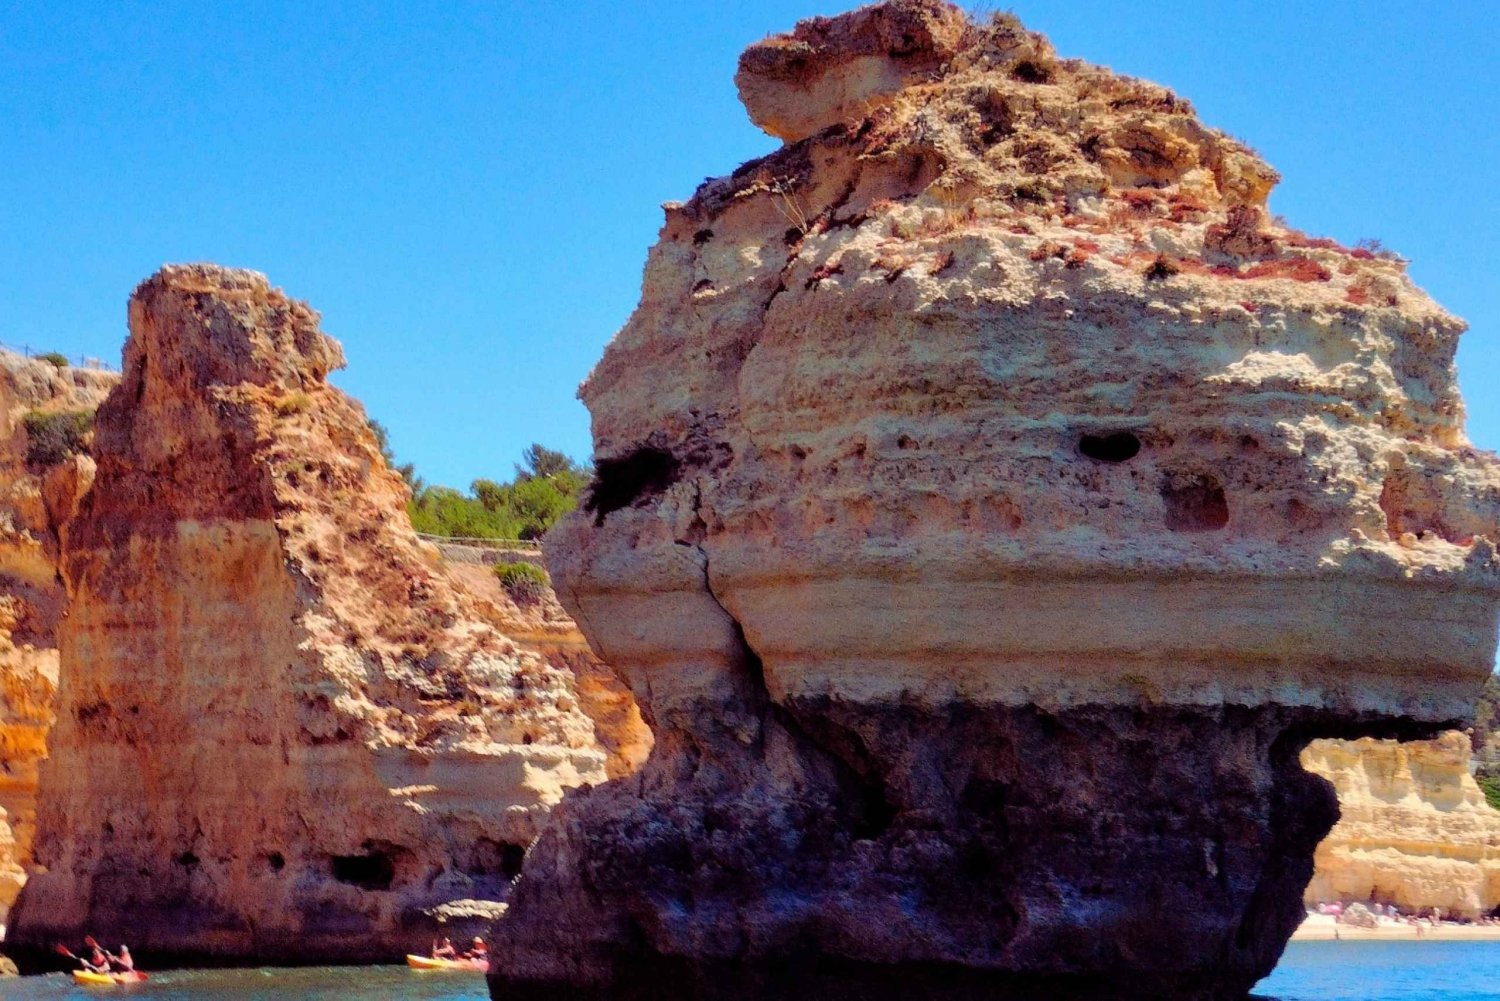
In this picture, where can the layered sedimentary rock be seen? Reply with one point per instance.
(39, 483)
(540, 624)
(991, 501)
(1414, 828)
(282, 732)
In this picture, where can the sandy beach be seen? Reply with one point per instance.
(1323, 928)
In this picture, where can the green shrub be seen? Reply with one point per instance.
(1491, 789)
(53, 435)
(526, 583)
(56, 358)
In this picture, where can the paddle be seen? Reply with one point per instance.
(63, 950)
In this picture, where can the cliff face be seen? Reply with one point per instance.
(992, 500)
(282, 732)
(36, 497)
(543, 627)
(1414, 829)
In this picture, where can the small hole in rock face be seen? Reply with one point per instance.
(375, 871)
(1030, 71)
(1195, 503)
(187, 859)
(1118, 447)
(277, 861)
(618, 483)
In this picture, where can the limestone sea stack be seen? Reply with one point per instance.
(1414, 829)
(283, 733)
(46, 411)
(992, 500)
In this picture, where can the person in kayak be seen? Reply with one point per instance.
(122, 963)
(444, 951)
(98, 961)
(478, 950)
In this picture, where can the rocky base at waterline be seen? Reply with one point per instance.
(943, 854)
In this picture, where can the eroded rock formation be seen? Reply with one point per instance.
(282, 732)
(541, 625)
(41, 477)
(1414, 828)
(992, 501)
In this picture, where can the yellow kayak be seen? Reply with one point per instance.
(92, 979)
(428, 963)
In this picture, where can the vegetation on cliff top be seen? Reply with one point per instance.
(547, 485)
(53, 435)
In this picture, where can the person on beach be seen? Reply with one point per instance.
(444, 951)
(478, 951)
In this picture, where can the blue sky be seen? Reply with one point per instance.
(466, 191)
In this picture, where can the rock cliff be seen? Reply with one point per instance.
(282, 732)
(992, 500)
(542, 626)
(1414, 829)
(45, 411)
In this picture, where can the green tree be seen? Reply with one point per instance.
(540, 461)
(546, 486)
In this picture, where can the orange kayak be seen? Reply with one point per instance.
(91, 979)
(428, 963)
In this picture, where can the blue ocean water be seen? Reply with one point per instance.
(1310, 971)
(1385, 971)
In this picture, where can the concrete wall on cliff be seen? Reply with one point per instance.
(283, 732)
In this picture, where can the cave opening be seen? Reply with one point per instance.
(374, 870)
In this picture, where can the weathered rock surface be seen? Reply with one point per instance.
(992, 501)
(1414, 830)
(543, 627)
(36, 497)
(282, 732)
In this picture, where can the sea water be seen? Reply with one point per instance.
(1310, 971)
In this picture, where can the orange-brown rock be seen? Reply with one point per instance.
(1414, 829)
(992, 499)
(38, 487)
(541, 625)
(282, 732)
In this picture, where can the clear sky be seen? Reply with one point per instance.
(466, 191)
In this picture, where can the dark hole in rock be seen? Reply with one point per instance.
(372, 871)
(1029, 71)
(637, 475)
(277, 861)
(1118, 447)
(187, 859)
(1195, 503)
(495, 858)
